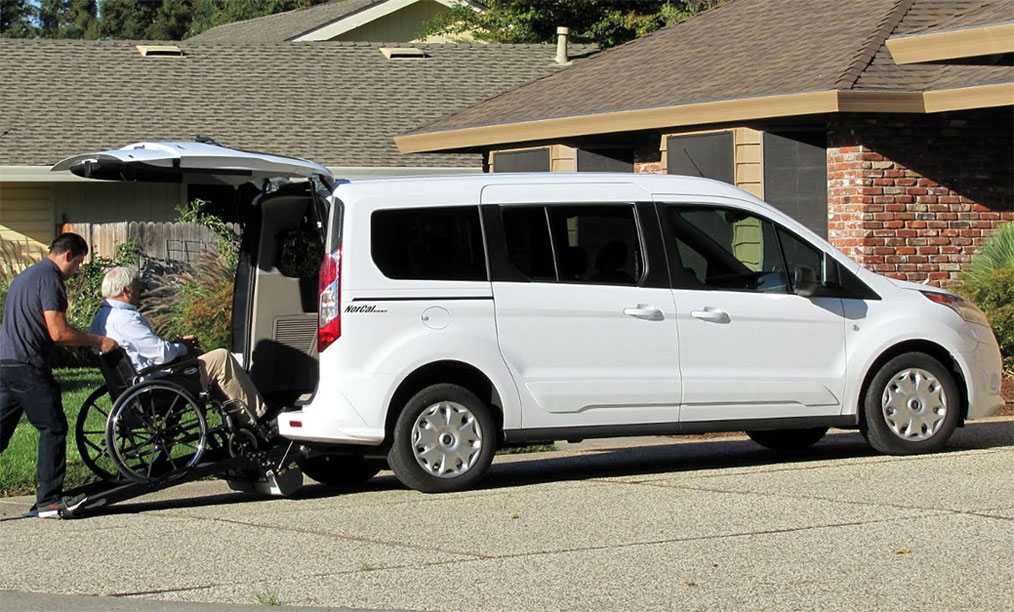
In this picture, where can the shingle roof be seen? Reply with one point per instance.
(339, 104)
(741, 49)
(884, 73)
(986, 13)
(282, 27)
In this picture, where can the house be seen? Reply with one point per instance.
(337, 103)
(884, 125)
(340, 20)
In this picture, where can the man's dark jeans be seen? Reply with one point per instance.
(24, 388)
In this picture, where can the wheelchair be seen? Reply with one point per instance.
(161, 421)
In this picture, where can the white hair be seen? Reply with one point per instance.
(116, 280)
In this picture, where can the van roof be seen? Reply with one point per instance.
(468, 185)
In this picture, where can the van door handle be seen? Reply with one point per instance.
(644, 311)
(710, 314)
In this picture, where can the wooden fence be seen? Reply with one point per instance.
(172, 241)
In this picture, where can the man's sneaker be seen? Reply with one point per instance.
(63, 508)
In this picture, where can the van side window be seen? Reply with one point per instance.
(597, 244)
(575, 244)
(799, 253)
(728, 249)
(528, 245)
(429, 243)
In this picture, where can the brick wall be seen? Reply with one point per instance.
(913, 197)
(648, 159)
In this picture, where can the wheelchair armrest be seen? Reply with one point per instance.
(167, 367)
(185, 372)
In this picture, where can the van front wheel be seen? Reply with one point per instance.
(912, 406)
(444, 440)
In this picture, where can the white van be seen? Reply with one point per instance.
(455, 315)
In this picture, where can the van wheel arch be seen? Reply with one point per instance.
(915, 346)
(451, 372)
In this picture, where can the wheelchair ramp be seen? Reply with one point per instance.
(271, 471)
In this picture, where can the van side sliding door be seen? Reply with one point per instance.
(584, 313)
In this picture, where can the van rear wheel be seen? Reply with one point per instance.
(444, 440)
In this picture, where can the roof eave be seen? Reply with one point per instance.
(722, 111)
(368, 14)
(952, 44)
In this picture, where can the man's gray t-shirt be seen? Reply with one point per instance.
(24, 337)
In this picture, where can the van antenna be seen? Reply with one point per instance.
(206, 140)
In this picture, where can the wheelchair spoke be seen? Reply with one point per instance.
(168, 455)
(92, 444)
(159, 429)
(133, 450)
(190, 446)
(171, 408)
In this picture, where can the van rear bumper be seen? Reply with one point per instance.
(318, 426)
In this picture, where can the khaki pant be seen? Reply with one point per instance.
(221, 371)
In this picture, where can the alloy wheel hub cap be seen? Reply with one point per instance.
(446, 439)
(914, 404)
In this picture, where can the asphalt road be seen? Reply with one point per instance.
(652, 523)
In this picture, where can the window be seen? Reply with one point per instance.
(705, 155)
(795, 176)
(583, 244)
(528, 244)
(526, 160)
(727, 249)
(429, 243)
(799, 253)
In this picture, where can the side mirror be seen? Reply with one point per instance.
(805, 281)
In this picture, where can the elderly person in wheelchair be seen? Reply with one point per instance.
(118, 318)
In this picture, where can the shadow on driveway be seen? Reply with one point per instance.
(681, 456)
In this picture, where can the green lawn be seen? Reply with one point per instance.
(17, 463)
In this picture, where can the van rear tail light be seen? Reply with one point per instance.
(329, 320)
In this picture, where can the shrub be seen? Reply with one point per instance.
(197, 300)
(203, 305)
(996, 253)
(988, 280)
(228, 240)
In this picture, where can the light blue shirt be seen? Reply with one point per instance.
(122, 322)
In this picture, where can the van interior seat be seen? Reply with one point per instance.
(573, 263)
(610, 261)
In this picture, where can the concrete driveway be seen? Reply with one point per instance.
(648, 523)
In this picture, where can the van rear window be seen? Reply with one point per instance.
(429, 243)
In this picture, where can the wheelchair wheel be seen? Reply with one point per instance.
(90, 434)
(155, 429)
